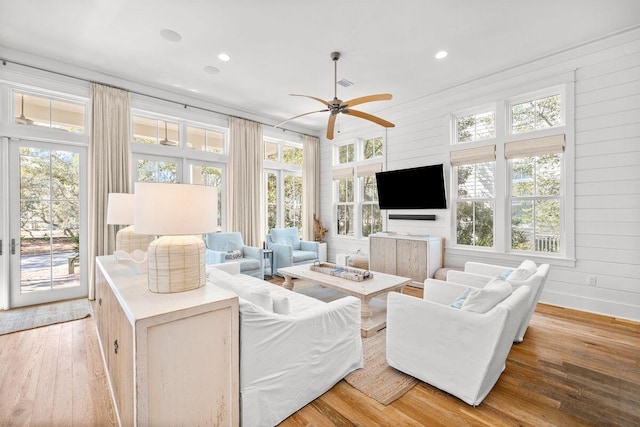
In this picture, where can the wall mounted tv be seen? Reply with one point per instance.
(414, 188)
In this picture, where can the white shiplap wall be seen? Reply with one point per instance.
(607, 168)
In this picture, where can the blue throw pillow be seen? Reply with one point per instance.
(505, 274)
(460, 299)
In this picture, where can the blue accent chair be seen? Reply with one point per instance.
(289, 250)
(220, 246)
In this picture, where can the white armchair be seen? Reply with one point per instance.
(458, 351)
(477, 274)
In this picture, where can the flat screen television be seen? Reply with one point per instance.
(414, 188)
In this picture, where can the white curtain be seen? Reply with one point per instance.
(310, 184)
(245, 210)
(109, 167)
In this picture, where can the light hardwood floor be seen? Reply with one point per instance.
(572, 369)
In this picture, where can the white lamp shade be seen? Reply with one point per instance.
(120, 208)
(174, 209)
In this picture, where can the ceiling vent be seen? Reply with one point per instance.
(345, 83)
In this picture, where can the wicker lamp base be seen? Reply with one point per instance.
(127, 240)
(176, 264)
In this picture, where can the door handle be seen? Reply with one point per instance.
(13, 246)
(0, 247)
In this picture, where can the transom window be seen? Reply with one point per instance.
(476, 127)
(536, 114)
(150, 130)
(203, 139)
(48, 112)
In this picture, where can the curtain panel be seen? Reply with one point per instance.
(310, 184)
(109, 167)
(245, 210)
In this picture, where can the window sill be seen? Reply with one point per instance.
(488, 255)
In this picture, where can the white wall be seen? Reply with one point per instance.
(607, 169)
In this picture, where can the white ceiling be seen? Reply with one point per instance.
(279, 47)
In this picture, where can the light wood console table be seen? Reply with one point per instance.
(171, 359)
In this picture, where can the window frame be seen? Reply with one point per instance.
(565, 85)
(358, 183)
(281, 171)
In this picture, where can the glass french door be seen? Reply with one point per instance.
(47, 222)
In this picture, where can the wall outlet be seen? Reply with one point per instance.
(591, 279)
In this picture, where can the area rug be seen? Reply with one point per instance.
(377, 379)
(20, 319)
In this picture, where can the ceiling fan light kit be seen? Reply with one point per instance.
(337, 106)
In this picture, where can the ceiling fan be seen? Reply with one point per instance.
(337, 106)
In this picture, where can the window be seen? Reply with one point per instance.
(532, 205)
(536, 194)
(355, 192)
(293, 201)
(176, 149)
(535, 114)
(346, 153)
(345, 198)
(208, 175)
(371, 215)
(202, 139)
(155, 131)
(475, 204)
(476, 127)
(372, 148)
(48, 112)
(155, 170)
(283, 184)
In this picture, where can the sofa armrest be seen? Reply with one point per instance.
(214, 257)
(485, 269)
(253, 252)
(468, 279)
(306, 245)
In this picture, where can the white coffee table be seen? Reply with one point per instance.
(372, 320)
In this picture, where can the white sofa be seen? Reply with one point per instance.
(477, 274)
(456, 350)
(288, 360)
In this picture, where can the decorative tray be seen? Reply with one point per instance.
(350, 273)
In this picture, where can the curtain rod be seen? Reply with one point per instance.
(5, 61)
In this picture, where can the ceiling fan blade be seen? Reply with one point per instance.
(312, 97)
(331, 125)
(369, 117)
(363, 99)
(299, 115)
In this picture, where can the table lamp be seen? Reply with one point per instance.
(120, 208)
(180, 213)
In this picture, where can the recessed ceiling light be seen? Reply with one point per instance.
(170, 35)
(211, 69)
(441, 54)
(223, 56)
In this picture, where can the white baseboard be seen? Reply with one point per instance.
(606, 308)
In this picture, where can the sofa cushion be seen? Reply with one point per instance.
(525, 270)
(247, 264)
(286, 236)
(304, 256)
(484, 299)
